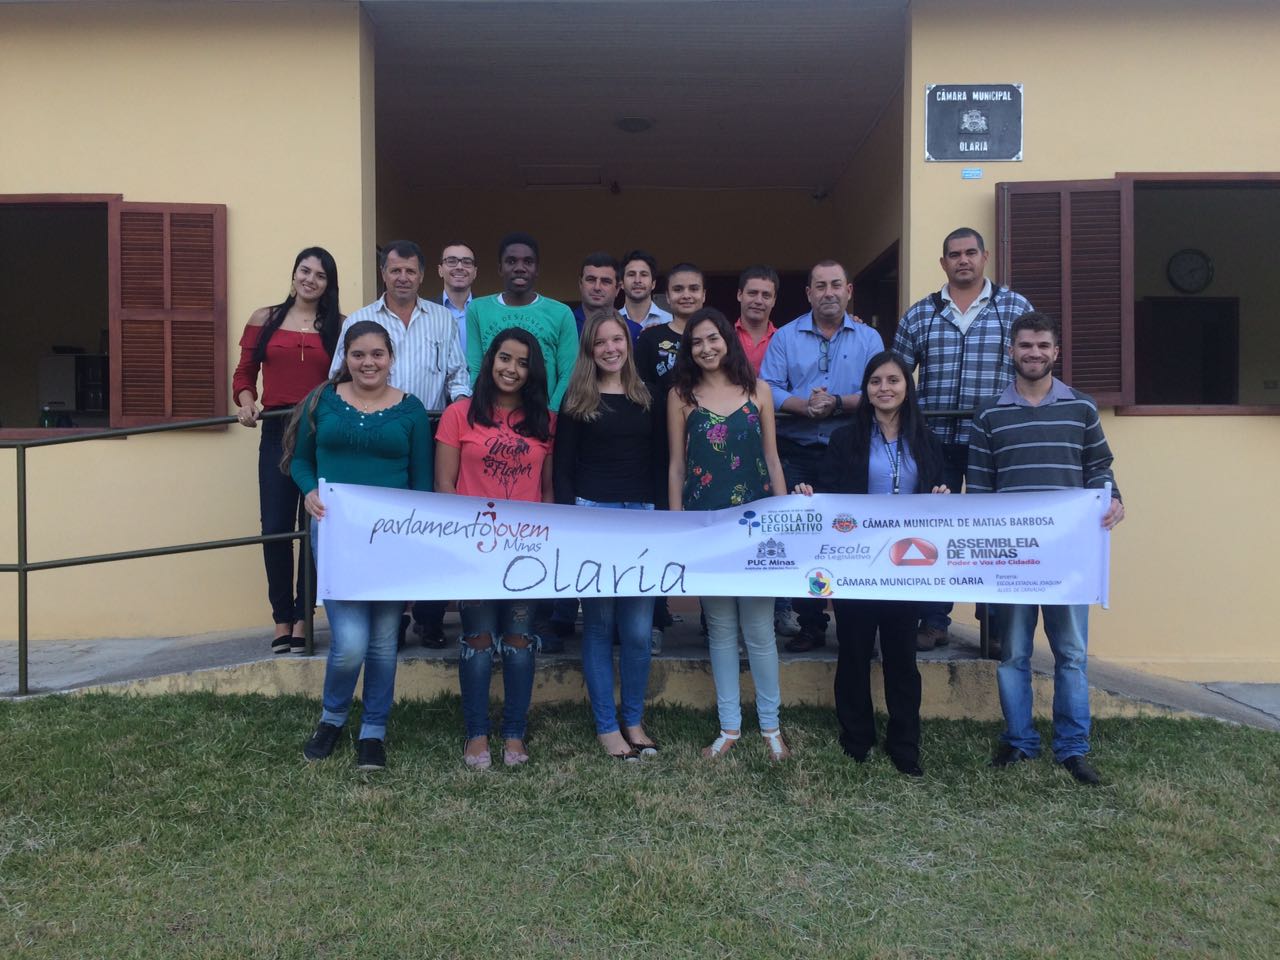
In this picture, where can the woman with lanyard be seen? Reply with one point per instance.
(724, 454)
(887, 449)
(605, 458)
(497, 444)
(357, 428)
(292, 344)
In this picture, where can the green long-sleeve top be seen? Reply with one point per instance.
(386, 448)
(551, 324)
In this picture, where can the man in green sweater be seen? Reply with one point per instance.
(520, 305)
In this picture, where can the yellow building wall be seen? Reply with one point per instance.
(718, 230)
(1134, 87)
(261, 107)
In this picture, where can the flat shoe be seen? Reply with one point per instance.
(514, 758)
(649, 749)
(479, 761)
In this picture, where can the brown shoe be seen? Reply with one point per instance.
(930, 637)
(806, 640)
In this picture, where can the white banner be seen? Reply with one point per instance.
(380, 544)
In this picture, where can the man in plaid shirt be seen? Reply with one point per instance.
(959, 339)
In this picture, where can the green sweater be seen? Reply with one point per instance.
(387, 448)
(551, 323)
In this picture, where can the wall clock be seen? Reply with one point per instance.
(1190, 270)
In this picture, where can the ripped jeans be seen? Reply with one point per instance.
(507, 625)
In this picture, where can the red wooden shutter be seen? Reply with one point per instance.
(168, 288)
(1067, 246)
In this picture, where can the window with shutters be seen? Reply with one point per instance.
(1161, 282)
(121, 308)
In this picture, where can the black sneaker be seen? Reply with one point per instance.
(1082, 770)
(322, 742)
(910, 768)
(280, 644)
(430, 635)
(1008, 755)
(370, 755)
(806, 640)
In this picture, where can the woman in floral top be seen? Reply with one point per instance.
(724, 454)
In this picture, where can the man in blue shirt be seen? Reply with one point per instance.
(814, 366)
(457, 268)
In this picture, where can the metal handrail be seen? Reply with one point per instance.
(24, 566)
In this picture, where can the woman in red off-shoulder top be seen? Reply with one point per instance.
(292, 344)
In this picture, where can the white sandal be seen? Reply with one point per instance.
(776, 745)
(721, 745)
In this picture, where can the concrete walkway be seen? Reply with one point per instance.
(58, 666)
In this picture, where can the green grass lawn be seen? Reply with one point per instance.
(190, 826)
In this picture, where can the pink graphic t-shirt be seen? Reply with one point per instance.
(495, 462)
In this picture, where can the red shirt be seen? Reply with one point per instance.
(494, 462)
(295, 363)
(755, 351)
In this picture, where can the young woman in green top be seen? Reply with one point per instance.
(724, 454)
(357, 428)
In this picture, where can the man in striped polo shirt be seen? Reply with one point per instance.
(1040, 434)
(429, 362)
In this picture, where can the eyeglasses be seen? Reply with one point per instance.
(452, 262)
(824, 354)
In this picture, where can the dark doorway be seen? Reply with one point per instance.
(1187, 350)
(875, 294)
(722, 293)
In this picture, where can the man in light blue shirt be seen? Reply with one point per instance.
(457, 268)
(814, 366)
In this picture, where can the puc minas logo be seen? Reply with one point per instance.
(913, 552)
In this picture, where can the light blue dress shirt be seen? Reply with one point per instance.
(793, 368)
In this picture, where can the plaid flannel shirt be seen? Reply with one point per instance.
(959, 370)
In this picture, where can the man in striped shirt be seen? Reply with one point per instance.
(429, 362)
(1040, 434)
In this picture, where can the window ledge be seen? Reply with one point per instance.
(1198, 410)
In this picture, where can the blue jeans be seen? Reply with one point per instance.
(631, 618)
(362, 633)
(498, 620)
(1067, 628)
(753, 617)
(280, 507)
(802, 463)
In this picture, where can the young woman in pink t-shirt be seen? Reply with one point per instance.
(497, 444)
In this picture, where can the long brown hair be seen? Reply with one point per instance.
(582, 397)
(307, 408)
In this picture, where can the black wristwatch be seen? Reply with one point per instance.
(839, 403)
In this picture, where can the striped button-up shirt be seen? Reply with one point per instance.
(429, 362)
(958, 370)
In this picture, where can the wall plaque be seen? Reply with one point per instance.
(973, 121)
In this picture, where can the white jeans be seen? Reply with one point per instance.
(753, 617)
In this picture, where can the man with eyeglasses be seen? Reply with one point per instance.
(457, 268)
(814, 366)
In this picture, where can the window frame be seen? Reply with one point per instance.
(1125, 183)
(114, 203)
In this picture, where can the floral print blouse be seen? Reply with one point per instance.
(724, 459)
